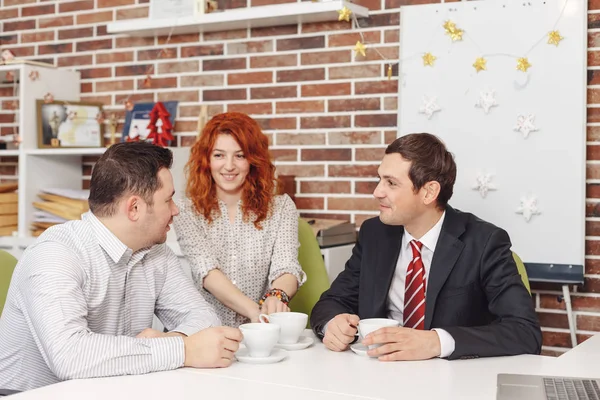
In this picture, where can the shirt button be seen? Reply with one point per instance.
(233, 281)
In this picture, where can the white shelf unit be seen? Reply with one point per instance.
(239, 18)
(41, 168)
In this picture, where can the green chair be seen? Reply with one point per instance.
(522, 271)
(311, 260)
(7, 266)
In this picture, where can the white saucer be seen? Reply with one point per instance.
(360, 349)
(277, 355)
(303, 343)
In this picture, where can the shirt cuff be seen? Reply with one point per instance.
(447, 343)
(168, 353)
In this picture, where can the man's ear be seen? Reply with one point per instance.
(432, 191)
(133, 207)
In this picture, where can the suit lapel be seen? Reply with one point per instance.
(447, 251)
(387, 256)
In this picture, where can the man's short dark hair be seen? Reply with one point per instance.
(430, 161)
(129, 168)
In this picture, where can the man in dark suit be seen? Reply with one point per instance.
(448, 277)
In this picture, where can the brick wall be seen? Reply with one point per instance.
(327, 113)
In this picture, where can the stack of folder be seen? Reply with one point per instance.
(58, 206)
(333, 232)
(8, 208)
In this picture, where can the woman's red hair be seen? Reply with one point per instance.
(258, 188)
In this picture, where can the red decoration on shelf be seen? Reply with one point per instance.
(160, 125)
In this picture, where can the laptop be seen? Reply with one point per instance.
(534, 387)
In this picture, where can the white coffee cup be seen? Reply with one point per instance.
(368, 325)
(292, 325)
(260, 338)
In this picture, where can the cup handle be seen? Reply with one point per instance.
(263, 318)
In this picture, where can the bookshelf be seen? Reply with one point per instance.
(39, 168)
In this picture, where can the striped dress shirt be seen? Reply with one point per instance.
(77, 299)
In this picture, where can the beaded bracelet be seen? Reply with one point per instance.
(280, 294)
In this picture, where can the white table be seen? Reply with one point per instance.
(318, 373)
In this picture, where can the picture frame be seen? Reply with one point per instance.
(138, 118)
(71, 124)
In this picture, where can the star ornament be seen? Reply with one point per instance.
(360, 48)
(428, 59)
(528, 207)
(483, 184)
(554, 38)
(525, 125)
(429, 106)
(344, 14)
(452, 31)
(487, 100)
(479, 64)
(523, 64)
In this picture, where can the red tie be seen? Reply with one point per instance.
(414, 294)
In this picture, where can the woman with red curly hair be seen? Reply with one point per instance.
(240, 238)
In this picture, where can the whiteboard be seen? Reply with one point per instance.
(548, 164)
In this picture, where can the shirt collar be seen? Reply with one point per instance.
(429, 239)
(115, 249)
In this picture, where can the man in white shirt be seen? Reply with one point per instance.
(83, 296)
(448, 277)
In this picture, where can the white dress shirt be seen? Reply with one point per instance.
(77, 299)
(397, 288)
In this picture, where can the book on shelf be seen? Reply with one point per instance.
(8, 187)
(9, 197)
(8, 230)
(8, 220)
(9, 208)
(58, 206)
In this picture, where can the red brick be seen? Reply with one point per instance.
(553, 320)
(273, 92)
(593, 39)
(592, 171)
(370, 120)
(592, 228)
(310, 203)
(364, 187)
(71, 61)
(324, 187)
(350, 72)
(65, 7)
(593, 58)
(303, 43)
(114, 3)
(10, 13)
(285, 60)
(326, 154)
(311, 74)
(193, 111)
(132, 13)
(129, 70)
(97, 99)
(87, 87)
(588, 323)
(369, 154)
(372, 103)
(274, 31)
(593, 114)
(114, 85)
(593, 96)
(351, 204)
(276, 123)
(381, 20)
(284, 154)
(593, 133)
(300, 107)
(593, 152)
(178, 67)
(94, 73)
(593, 78)
(159, 83)
(269, 2)
(225, 35)
(23, 51)
(594, 5)
(114, 57)
(246, 78)
(325, 26)
(390, 103)
(94, 18)
(300, 139)
(354, 138)
(156, 54)
(258, 46)
(224, 64)
(38, 36)
(38, 10)
(327, 89)
(372, 5)
(398, 3)
(391, 36)
(134, 41)
(92, 45)
(301, 170)
(224, 94)
(8, 3)
(200, 51)
(187, 38)
(375, 53)
(339, 121)
(202, 80)
(76, 33)
(350, 39)
(326, 57)
(251, 108)
(372, 87)
(55, 48)
(353, 170)
(20, 25)
(592, 267)
(189, 96)
(591, 285)
(560, 339)
(52, 22)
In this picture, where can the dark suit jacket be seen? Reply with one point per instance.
(474, 290)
